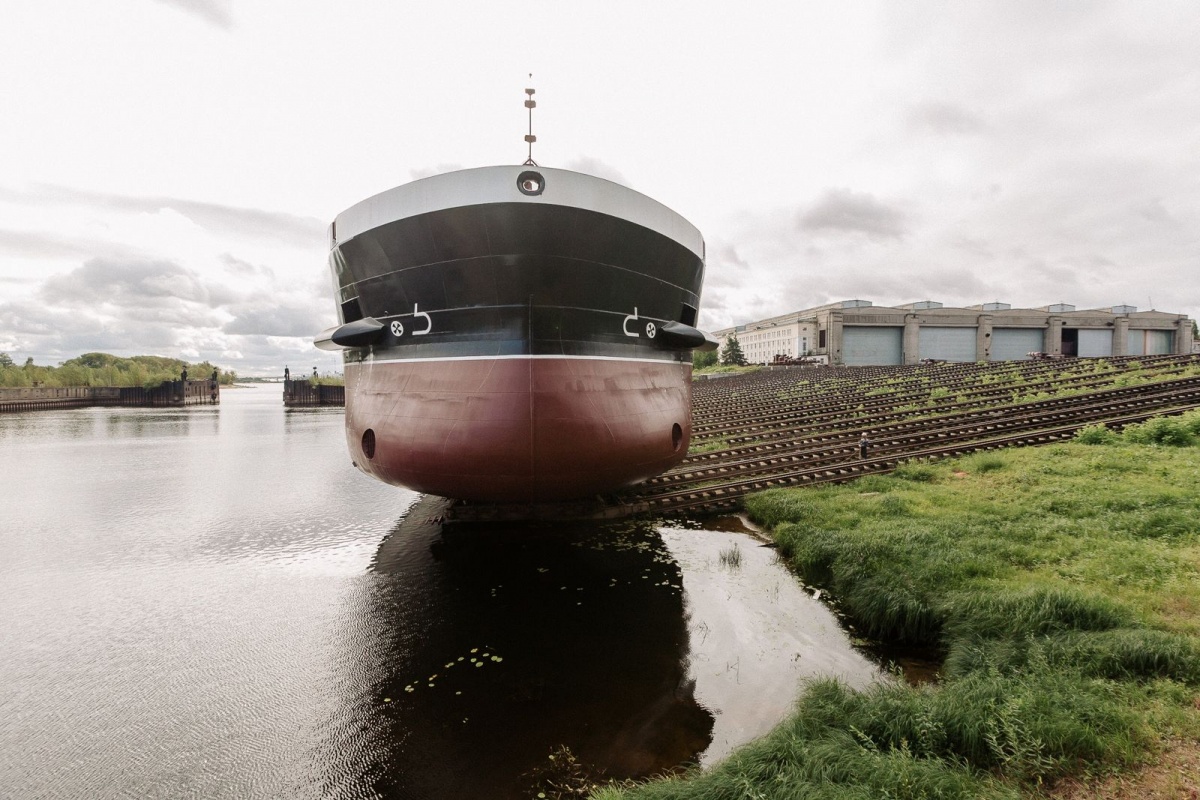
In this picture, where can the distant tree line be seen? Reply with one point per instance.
(102, 369)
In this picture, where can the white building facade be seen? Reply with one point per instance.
(856, 332)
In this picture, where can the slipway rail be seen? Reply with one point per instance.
(727, 495)
(895, 435)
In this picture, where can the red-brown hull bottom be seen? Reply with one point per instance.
(517, 430)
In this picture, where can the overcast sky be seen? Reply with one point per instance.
(168, 167)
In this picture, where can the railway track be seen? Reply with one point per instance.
(894, 433)
(727, 495)
(800, 426)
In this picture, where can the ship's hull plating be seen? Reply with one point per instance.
(518, 429)
(512, 353)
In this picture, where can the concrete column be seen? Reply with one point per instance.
(983, 338)
(1183, 337)
(912, 339)
(833, 338)
(1120, 345)
(1052, 342)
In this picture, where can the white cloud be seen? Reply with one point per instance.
(841, 211)
(215, 12)
(594, 166)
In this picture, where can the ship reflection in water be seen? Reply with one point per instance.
(506, 642)
(637, 648)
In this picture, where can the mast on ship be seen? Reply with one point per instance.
(531, 104)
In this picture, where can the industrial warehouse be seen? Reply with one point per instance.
(855, 332)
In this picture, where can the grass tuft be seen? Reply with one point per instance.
(1169, 431)
(916, 472)
(730, 558)
(1120, 654)
(1031, 611)
(987, 463)
(1098, 433)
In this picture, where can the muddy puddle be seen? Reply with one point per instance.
(754, 634)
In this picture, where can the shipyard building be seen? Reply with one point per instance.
(855, 332)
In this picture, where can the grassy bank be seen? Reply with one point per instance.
(1062, 584)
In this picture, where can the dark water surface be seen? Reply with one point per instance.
(211, 602)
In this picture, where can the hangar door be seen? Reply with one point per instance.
(1151, 343)
(863, 346)
(1094, 344)
(947, 344)
(1014, 344)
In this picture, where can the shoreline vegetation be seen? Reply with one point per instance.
(1061, 584)
(326, 380)
(102, 369)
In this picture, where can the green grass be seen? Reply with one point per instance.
(1062, 584)
(721, 369)
(698, 446)
(1173, 431)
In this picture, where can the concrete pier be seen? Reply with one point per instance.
(302, 393)
(169, 393)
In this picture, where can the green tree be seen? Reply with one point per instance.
(1195, 331)
(5, 360)
(731, 354)
(73, 375)
(103, 369)
(704, 358)
(93, 360)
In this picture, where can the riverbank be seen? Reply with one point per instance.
(1060, 583)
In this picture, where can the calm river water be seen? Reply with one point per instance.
(211, 602)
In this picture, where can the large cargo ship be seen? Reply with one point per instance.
(516, 334)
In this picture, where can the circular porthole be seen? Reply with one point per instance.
(530, 182)
(676, 436)
(368, 443)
